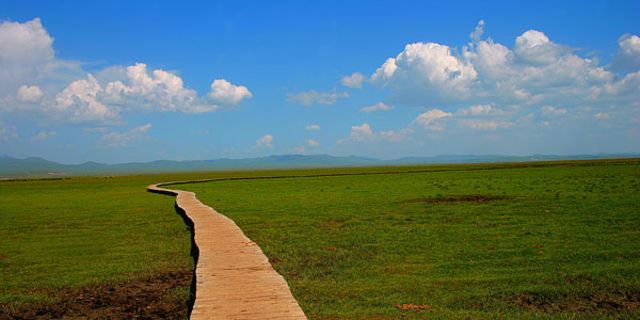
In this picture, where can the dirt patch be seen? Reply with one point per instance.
(151, 298)
(585, 303)
(471, 198)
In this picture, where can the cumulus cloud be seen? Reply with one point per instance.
(311, 97)
(158, 89)
(142, 89)
(492, 86)
(355, 80)
(29, 94)
(33, 79)
(25, 53)
(312, 127)
(534, 47)
(120, 139)
(431, 119)
(165, 91)
(222, 91)
(80, 101)
(426, 69)
(43, 135)
(380, 106)
(426, 124)
(628, 57)
(364, 133)
(361, 132)
(533, 73)
(265, 142)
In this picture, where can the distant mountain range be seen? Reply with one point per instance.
(37, 167)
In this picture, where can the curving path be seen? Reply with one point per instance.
(234, 279)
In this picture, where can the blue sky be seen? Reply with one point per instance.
(139, 81)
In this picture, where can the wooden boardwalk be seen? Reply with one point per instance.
(234, 279)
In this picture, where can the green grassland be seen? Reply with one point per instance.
(523, 240)
(552, 242)
(86, 231)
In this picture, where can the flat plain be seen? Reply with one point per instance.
(554, 240)
(550, 240)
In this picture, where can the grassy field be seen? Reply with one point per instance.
(547, 240)
(95, 237)
(556, 242)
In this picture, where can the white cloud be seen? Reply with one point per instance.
(628, 57)
(29, 94)
(155, 90)
(553, 111)
(625, 88)
(480, 109)
(380, 106)
(141, 89)
(434, 120)
(299, 149)
(355, 80)
(431, 119)
(80, 101)
(265, 142)
(308, 98)
(120, 139)
(361, 132)
(43, 135)
(312, 143)
(222, 91)
(426, 69)
(30, 73)
(25, 53)
(364, 133)
(312, 127)
(533, 73)
(534, 47)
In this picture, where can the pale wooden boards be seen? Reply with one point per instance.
(234, 279)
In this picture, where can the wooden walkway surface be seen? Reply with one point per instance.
(234, 279)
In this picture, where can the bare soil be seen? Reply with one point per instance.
(149, 298)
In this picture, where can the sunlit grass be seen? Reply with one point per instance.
(556, 241)
(548, 240)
